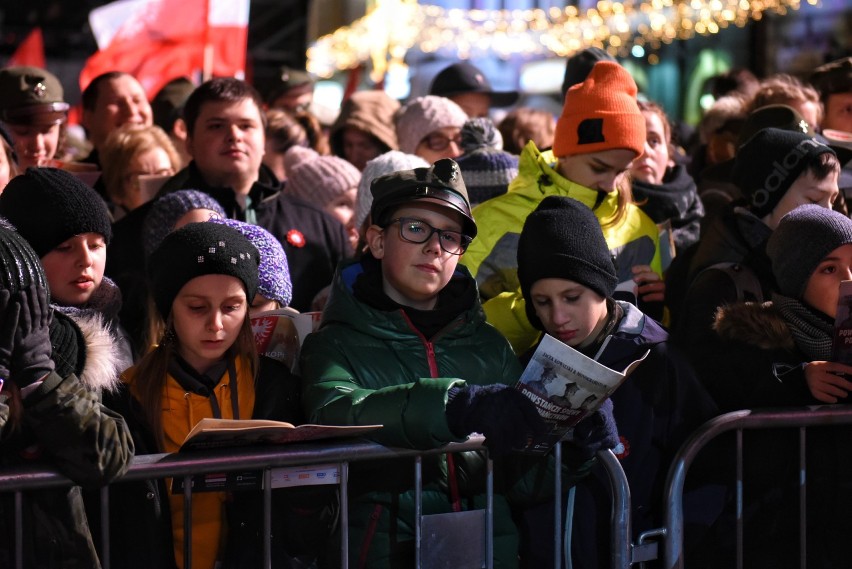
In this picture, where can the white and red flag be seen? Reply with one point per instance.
(159, 40)
(30, 51)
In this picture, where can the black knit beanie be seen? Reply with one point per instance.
(769, 162)
(199, 249)
(801, 241)
(49, 206)
(562, 239)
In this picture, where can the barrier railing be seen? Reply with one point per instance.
(801, 418)
(187, 465)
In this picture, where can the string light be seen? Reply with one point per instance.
(392, 27)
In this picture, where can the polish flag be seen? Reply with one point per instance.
(30, 51)
(159, 40)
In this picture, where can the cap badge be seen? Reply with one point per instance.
(804, 126)
(40, 90)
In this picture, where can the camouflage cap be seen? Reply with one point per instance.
(30, 95)
(442, 182)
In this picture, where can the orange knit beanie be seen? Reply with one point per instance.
(601, 114)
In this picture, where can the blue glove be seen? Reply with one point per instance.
(596, 432)
(500, 412)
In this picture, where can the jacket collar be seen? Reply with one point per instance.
(541, 166)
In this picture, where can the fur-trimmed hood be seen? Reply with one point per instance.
(103, 361)
(759, 325)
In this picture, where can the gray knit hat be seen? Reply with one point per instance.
(424, 115)
(487, 170)
(168, 209)
(315, 178)
(381, 165)
(273, 272)
(801, 241)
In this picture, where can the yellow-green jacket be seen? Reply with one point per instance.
(492, 256)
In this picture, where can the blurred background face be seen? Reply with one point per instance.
(359, 147)
(120, 101)
(474, 104)
(838, 112)
(154, 161)
(35, 143)
(442, 143)
(651, 167)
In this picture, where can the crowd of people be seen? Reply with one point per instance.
(439, 248)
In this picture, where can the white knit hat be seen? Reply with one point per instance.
(381, 165)
(315, 178)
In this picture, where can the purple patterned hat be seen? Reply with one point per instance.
(273, 272)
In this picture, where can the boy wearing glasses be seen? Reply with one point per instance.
(404, 343)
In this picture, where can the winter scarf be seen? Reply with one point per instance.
(675, 199)
(812, 331)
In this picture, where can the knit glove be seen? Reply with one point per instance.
(503, 414)
(596, 432)
(8, 325)
(31, 355)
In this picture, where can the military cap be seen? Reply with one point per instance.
(833, 77)
(30, 95)
(288, 78)
(442, 182)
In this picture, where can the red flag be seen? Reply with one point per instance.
(158, 40)
(30, 51)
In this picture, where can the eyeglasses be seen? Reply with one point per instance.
(418, 231)
(439, 142)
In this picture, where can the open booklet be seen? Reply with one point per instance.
(566, 386)
(841, 346)
(223, 433)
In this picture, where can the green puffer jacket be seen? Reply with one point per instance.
(366, 366)
(492, 256)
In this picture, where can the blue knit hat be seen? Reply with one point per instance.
(273, 273)
(168, 209)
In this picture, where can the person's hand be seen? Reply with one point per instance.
(503, 414)
(824, 382)
(650, 286)
(596, 432)
(31, 355)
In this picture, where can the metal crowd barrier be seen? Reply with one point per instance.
(187, 465)
(672, 534)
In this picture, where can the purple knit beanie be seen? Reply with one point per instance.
(168, 209)
(273, 273)
(317, 179)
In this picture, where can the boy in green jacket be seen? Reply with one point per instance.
(404, 343)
